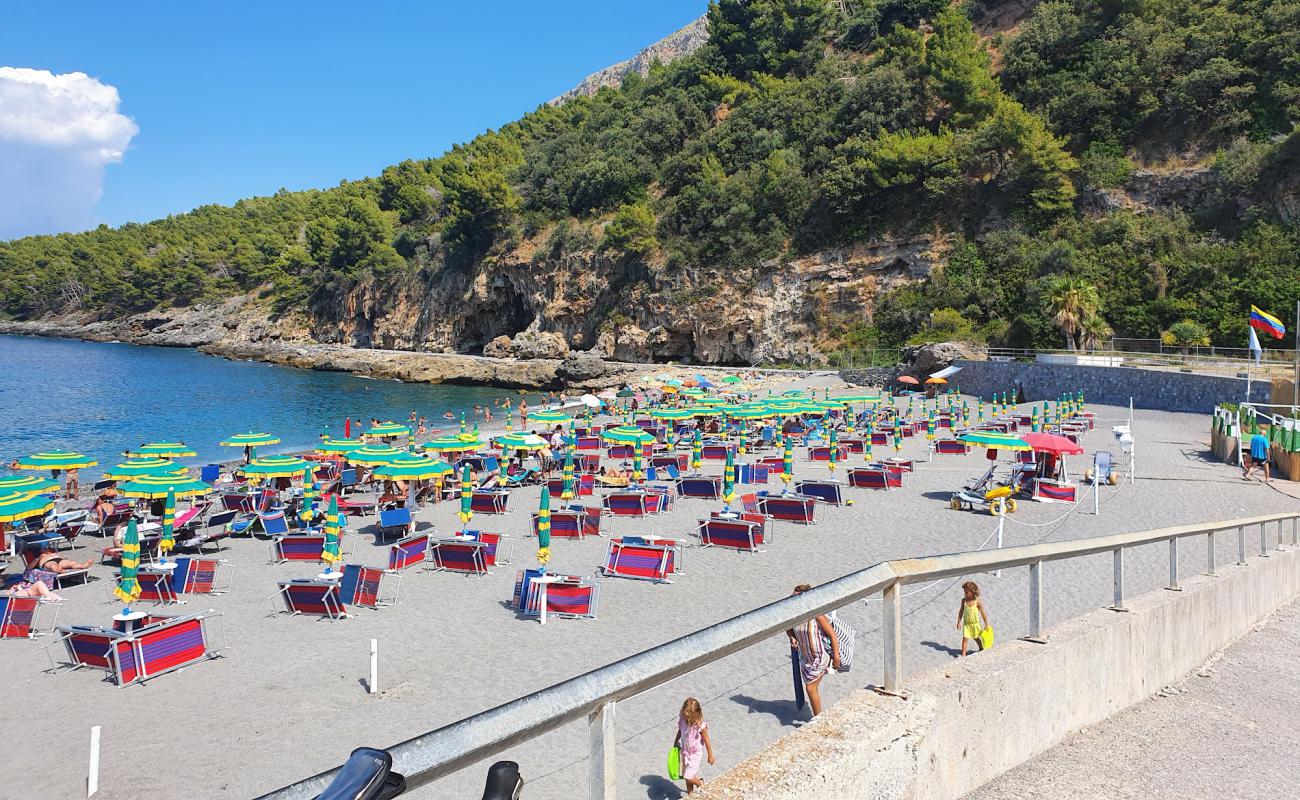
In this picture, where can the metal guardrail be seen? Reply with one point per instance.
(596, 694)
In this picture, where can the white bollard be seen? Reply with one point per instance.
(374, 666)
(92, 777)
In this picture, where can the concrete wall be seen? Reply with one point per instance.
(1167, 390)
(969, 722)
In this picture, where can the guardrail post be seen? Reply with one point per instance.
(1263, 539)
(1173, 565)
(1241, 545)
(1035, 602)
(604, 776)
(1295, 530)
(892, 629)
(1279, 534)
(1209, 550)
(1118, 605)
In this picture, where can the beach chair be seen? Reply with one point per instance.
(590, 519)
(202, 576)
(880, 437)
(980, 483)
(459, 554)
(950, 447)
(209, 531)
(347, 480)
(823, 453)
(315, 597)
(661, 500)
(826, 491)
(539, 594)
(523, 579)
(628, 503)
(587, 442)
(297, 547)
(490, 501)
(737, 533)
(620, 451)
(393, 522)
(565, 524)
(678, 461)
(788, 508)
(642, 559)
(54, 580)
(752, 473)
(1050, 491)
(853, 446)
(210, 473)
(874, 477)
(156, 586)
(18, 616)
(714, 452)
(586, 462)
(157, 646)
(114, 520)
(406, 552)
(363, 586)
(702, 487)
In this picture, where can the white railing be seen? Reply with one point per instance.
(595, 695)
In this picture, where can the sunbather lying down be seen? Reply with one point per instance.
(51, 561)
(612, 476)
(30, 587)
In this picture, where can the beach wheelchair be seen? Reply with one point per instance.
(998, 501)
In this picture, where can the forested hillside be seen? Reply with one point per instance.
(1101, 166)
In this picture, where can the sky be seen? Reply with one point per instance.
(128, 112)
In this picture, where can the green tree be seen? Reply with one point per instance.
(1071, 302)
(632, 230)
(1185, 334)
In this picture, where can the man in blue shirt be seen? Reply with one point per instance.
(1258, 456)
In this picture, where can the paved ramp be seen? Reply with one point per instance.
(1228, 730)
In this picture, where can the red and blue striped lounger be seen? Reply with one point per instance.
(713, 452)
(586, 463)
(829, 492)
(297, 547)
(160, 646)
(1054, 490)
(313, 597)
(752, 473)
(471, 553)
(642, 559)
(581, 487)
(18, 617)
(856, 446)
(407, 552)
(565, 524)
(875, 477)
(879, 437)
(788, 508)
(588, 443)
(570, 597)
(773, 463)
(950, 447)
(629, 504)
(590, 520)
(899, 464)
(823, 453)
(487, 501)
(362, 586)
(201, 576)
(738, 534)
(704, 488)
(156, 585)
(680, 460)
(944, 421)
(620, 451)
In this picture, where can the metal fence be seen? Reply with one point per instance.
(595, 696)
(1223, 361)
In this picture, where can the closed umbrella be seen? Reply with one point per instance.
(466, 497)
(744, 436)
(787, 460)
(168, 540)
(1035, 423)
(510, 425)
(697, 449)
(331, 553)
(728, 483)
(637, 473)
(544, 528)
(310, 494)
(834, 452)
(462, 423)
(128, 586)
(566, 490)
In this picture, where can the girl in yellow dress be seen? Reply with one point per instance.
(969, 614)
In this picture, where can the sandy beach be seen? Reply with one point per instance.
(288, 699)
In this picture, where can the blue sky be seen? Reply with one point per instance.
(236, 99)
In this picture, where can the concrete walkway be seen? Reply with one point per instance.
(1227, 730)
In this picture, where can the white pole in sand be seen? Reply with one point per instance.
(92, 777)
(374, 666)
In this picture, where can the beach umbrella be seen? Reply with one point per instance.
(624, 393)
(462, 423)
(27, 485)
(250, 440)
(310, 494)
(908, 379)
(697, 448)
(994, 440)
(156, 487)
(374, 455)
(168, 540)
(136, 467)
(413, 468)
(693, 392)
(16, 506)
(347, 428)
(551, 417)
(728, 482)
(389, 428)
(544, 528)
(275, 467)
(744, 435)
(161, 450)
(466, 512)
(55, 459)
(1035, 423)
(787, 460)
(339, 446)
(1052, 443)
(668, 389)
(510, 425)
(331, 553)
(637, 473)
(590, 401)
(520, 441)
(128, 586)
(567, 489)
(705, 411)
(626, 434)
(671, 413)
(834, 451)
(731, 379)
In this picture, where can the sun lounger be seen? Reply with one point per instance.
(202, 576)
(704, 488)
(679, 460)
(393, 522)
(788, 508)
(1054, 491)
(316, 597)
(490, 501)
(620, 451)
(586, 462)
(565, 524)
(665, 497)
(872, 477)
(459, 554)
(591, 516)
(407, 552)
(879, 438)
(853, 446)
(752, 473)
(545, 595)
(160, 645)
(589, 443)
(714, 452)
(54, 580)
(629, 503)
(114, 520)
(18, 616)
(156, 585)
(823, 453)
(642, 559)
(297, 547)
(212, 530)
(829, 492)
(950, 447)
(737, 533)
(363, 586)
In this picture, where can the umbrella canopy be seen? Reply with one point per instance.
(550, 416)
(466, 512)
(136, 467)
(451, 444)
(168, 540)
(668, 389)
(672, 413)
(336, 446)
(702, 410)
(29, 485)
(908, 379)
(375, 455)
(590, 400)
(749, 412)
(310, 494)
(520, 441)
(625, 434)
(675, 382)
(693, 392)
(858, 398)
(389, 428)
(275, 467)
(154, 487)
(935, 381)
(161, 450)
(731, 379)
(128, 587)
(20, 505)
(994, 440)
(1051, 443)
(56, 459)
(331, 552)
(415, 468)
(250, 440)
(625, 393)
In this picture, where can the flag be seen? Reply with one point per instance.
(1256, 352)
(1266, 322)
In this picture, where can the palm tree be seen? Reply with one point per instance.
(1186, 334)
(1094, 330)
(1072, 301)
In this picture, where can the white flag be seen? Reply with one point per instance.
(1256, 351)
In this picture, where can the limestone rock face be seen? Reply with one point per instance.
(500, 347)
(584, 366)
(924, 359)
(538, 344)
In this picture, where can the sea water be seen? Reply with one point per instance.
(103, 399)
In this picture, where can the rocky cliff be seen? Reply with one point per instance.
(671, 47)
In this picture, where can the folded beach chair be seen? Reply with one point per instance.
(156, 586)
(393, 522)
(620, 451)
(628, 503)
(787, 508)
(490, 501)
(1053, 491)
(202, 576)
(823, 453)
(853, 446)
(209, 531)
(588, 443)
(737, 533)
(157, 646)
(457, 554)
(713, 452)
(565, 524)
(874, 477)
(591, 516)
(523, 580)
(880, 437)
(752, 473)
(363, 586)
(559, 595)
(702, 487)
(950, 447)
(311, 596)
(297, 547)
(642, 559)
(406, 552)
(826, 491)
(902, 465)
(18, 616)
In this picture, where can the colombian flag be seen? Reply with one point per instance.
(1267, 323)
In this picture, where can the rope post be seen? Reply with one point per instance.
(1118, 605)
(1241, 545)
(374, 666)
(604, 775)
(892, 629)
(92, 775)
(1209, 550)
(1173, 565)
(1035, 602)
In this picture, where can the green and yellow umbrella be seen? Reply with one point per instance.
(374, 455)
(156, 487)
(168, 540)
(414, 468)
(744, 438)
(544, 528)
(56, 459)
(466, 512)
(509, 423)
(332, 551)
(339, 446)
(389, 428)
(250, 440)
(694, 392)
(637, 472)
(134, 468)
(994, 440)
(858, 398)
(28, 485)
(550, 416)
(310, 495)
(520, 441)
(450, 444)
(748, 412)
(628, 434)
(705, 410)
(275, 467)
(731, 379)
(128, 586)
(697, 450)
(567, 488)
(833, 453)
(672, 413)
(161, 450)
(787, 460)
(17, 506)
(728, 482)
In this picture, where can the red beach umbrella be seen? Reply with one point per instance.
(1051, 443)
(908, 379)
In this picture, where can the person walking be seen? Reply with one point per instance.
(969, 614)
(693, 739)
(819, 652)
(1258, 457)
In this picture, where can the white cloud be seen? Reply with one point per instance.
(57, 133)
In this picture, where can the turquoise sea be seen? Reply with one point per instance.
(101, 399)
